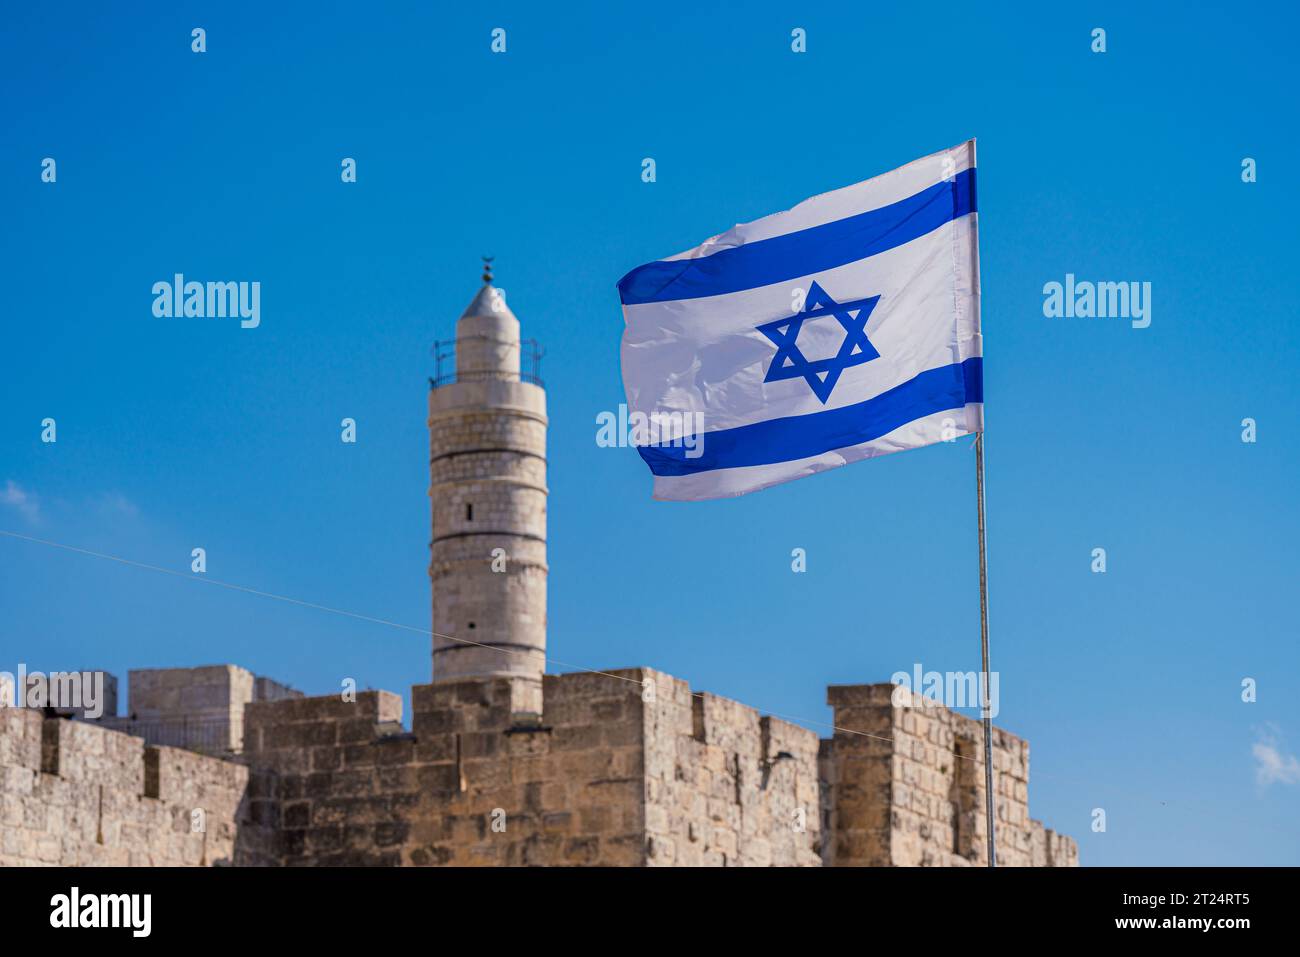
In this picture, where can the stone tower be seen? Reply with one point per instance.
(487, 467)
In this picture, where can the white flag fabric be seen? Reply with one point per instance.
(844, 328)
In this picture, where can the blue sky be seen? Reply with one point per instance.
(176, 433)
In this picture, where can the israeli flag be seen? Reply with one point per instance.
(845, 328)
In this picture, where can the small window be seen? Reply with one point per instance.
(469, 512)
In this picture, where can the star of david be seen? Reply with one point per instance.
(821, 374)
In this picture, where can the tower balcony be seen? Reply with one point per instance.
(483, 361)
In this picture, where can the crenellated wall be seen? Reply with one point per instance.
(726, 786)
(907, 789)
(622, 768)
(613, 773)
(76, 793)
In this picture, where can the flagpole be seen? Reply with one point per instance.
(984, 650)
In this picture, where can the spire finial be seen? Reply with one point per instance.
(487, 269)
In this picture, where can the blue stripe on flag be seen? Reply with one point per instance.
(805, 252)
(801, 436)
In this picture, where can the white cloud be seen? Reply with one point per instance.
(1272, 764)
(15, 497)
(115, 503)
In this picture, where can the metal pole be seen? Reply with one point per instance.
(984, 650)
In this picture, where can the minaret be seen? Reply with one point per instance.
(487, 467)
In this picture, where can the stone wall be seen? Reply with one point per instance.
(75, 793)
(624, 768)
(565, 788)
(725, 786)
(908, 789)
(468, 786)
(610, 773)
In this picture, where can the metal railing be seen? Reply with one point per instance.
(446, 370)
(204, 735)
